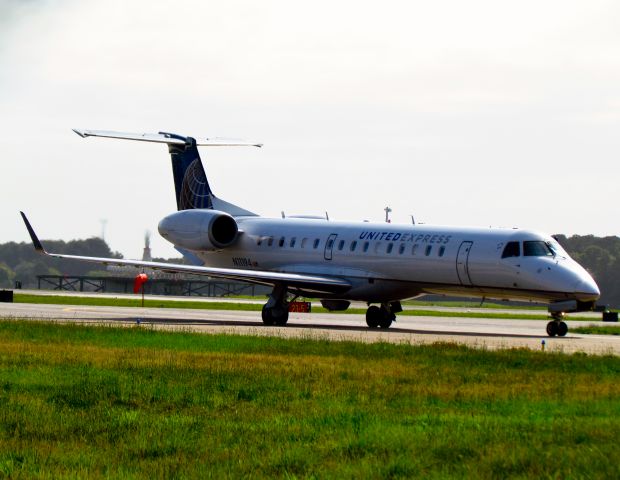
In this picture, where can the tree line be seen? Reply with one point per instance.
(20, 262)
(601, 257)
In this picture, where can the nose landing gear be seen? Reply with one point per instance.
(557, 326)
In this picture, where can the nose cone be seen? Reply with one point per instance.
(587, 289)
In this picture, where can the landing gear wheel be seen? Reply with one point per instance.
(373, 316)
(275, 311)
(552, 328)
(280, 316)
(562, 329)
(267, 317)
(274, 316)
(386, 319)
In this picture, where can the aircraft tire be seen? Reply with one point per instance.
(562, 329)
(267, 316)
(386, 319)
(280, 316)
(373, 316)
(552, 328)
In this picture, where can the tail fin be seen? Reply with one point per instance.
(190, 181)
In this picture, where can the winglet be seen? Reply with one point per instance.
(35, 240)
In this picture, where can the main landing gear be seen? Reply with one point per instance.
(382, 316)
(275, 311)
(557, 326)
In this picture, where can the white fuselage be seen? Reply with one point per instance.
(387, 262)
(338, 262)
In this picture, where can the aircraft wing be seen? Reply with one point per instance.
(309, 283)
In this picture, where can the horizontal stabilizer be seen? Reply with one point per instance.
(169, 138)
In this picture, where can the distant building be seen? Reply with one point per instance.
(146, 256)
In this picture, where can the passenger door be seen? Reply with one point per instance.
(462, 263)
(329, 246)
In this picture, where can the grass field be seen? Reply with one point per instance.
(527, 314)
(92, 402)
(133, 302)
(598, 329)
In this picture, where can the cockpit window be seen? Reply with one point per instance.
(512, 249)
(536, 249)
(557, 249)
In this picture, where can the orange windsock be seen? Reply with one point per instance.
(139, 281)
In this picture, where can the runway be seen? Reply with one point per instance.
(476, 332)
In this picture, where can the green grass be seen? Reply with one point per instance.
(471, 304)
(133, 302)
(598, 329)
(94, 402)
(461, 314)
(254, 307)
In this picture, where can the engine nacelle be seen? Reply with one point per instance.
(199, 229)
(335, 305)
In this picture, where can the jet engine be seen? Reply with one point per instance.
(199, 229)
(335, 305)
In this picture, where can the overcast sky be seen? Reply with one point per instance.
(466, 113)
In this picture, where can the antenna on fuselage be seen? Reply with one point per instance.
(387, 214)
(412, 219)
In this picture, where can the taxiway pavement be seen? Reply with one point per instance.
(476, 332)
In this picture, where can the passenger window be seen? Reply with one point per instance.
(293, 240)
(341, 245)
(377, 247)
(428, 250)
(304, 242)
(353, 245)
(366, 245)
(511, 249)
(316, 242)
(442, 250)
(414, 249)
(401, 249)
(390, 247)
(330, 243)
(270, 241)
(536, 249)
(281, 242)
(259, 240)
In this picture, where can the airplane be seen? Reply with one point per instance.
(381, 264)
